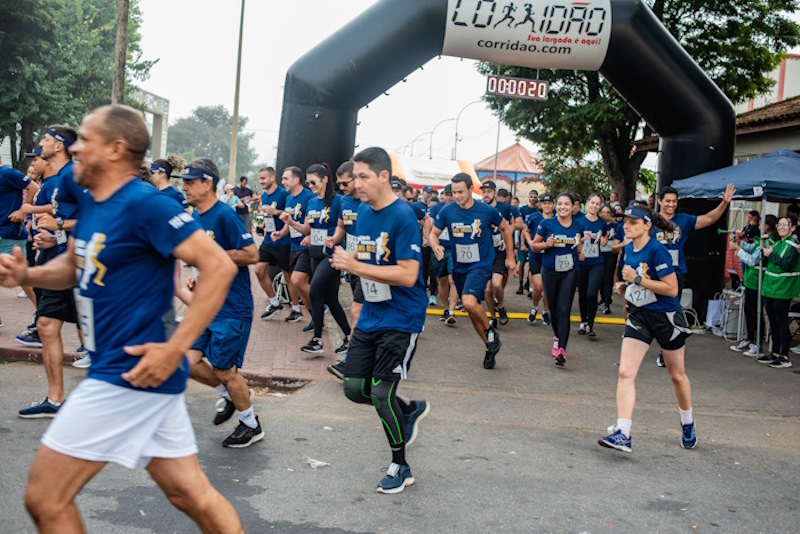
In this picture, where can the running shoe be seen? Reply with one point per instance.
(590, 334)
(337, 369)
(752, 351)
(294, 317)
(451, 321)
(459, 305)
(244, 436)
(314, 346)
(546, 318)
(30, 339)
(83, 363)
(795, 349)
(81, 351)
(582, 329)
(445, 315)
(616, 440)
(688, 436)
(607, 310)
(40, 410)
(225, 409)
(432, 301)
(271, 311)
(660, 360)
(521, 290)
(561, 357)
(343, 346)
(503, 316)
(766, 358)
(493, 324)
(309, 327)
(742, 346)
(411, 428)
(492, 348)
(532, 317)
(554, 350)
(396, 479)
(22, 295)
(783, 362)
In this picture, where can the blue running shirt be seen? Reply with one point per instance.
(384, 238)
(470, 234)
(125, 267)
(444, 237)
(591, 249)
(652, 262)
(297, 207)
(223, 226)
(676, 239)
(176, 195)
(277, 200)
(510, 214)
(12, 183)
(563, 256)
(349, 216)
(323, 221)
(532, 222)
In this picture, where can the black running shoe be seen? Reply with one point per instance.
(520, 291)
(294, 317)
(660, 360)
(503, 316)
(314, 346)
(337, 369)
(607, 311)
(590, 334)
(342, 348)
(244, 436)
(225, 409)
(445, 315)
(271, 311)
(546, 318)
(492, 348)
(309, 327)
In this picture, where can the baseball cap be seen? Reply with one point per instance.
(34, 153)
(489, 185)
(397, 183)
(448, 189)
(547, 197)
(194, 173)
(427, 189)
(636, 212)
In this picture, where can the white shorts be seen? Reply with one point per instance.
(102, 422)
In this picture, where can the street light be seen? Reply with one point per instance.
(414, 141)
(455, 145)
(430, 147)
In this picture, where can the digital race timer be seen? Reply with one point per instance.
(516, 87)
(531, 33)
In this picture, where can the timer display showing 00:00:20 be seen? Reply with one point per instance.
(555, 14)
(515, 87)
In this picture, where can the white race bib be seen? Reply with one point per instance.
(676, 254)
(269, 224)
(564, 263)
(445, 235)
(294, 233)
(497, 239)
(61, 237)
(468, 253)
(318, 236)
(606, 247)
(375, 291)
(85, 308)
(350, 245)
(591, 249)
(639, 296)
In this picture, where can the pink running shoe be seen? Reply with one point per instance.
(554, 350)
(561, 357)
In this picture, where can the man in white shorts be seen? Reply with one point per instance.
(130, 410)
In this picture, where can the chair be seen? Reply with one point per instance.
(687, 298)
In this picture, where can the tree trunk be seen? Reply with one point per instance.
(120, 53)
(25, 140)
(12, 137)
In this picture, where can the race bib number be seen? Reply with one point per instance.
(350, 245)
(375, 291)
(294, 233)
(497, 239)
(591, 250)
(606, 248)
(676, 254)
(468, 253)
(61, 237)
(85, 309)
(318, 236)
(269, 224)
(445, 235)
(639, 296)
(564, 263)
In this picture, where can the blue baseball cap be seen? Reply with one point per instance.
(547, 197)
(427, 189)
(194, 173)
(35, 153)
(636, 212)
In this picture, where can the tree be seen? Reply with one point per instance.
(207, 133)
(57, 60)
(736, 42)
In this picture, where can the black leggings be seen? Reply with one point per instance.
(609, 265)
(324, 290)
(778, 314)
(560, 291)
(750, 313)
(590, 278)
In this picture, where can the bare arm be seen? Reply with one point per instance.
(704, 221)
(244, 256)
(667, 286)
(58, 273)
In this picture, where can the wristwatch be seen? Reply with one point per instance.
(638, 279)
(60, 223)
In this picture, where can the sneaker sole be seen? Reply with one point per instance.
(609, 445)
(781, 366)
(415, 427)
(407, 482)
(335, 372)
(81, 366)
(451, 324)
(765, 361)
(254, 439)
(268, 317)
(293, 320)
(690, 447)
(38, 416)
(314, 351)
(560, 361)
(30, 344)
(489, 360)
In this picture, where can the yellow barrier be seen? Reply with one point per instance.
(517, 315)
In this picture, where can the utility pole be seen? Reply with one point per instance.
(235, 130)
(120, 53)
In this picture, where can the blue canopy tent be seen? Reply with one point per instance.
(774, 177)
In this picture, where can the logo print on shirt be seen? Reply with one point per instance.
(669, 238)
(382, 251)
(88, 260)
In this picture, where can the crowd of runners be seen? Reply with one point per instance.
(102, 229)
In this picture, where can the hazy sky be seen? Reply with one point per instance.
(195, 42)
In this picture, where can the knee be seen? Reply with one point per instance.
(261, 270)
(225, 375)
(678, 376)
(354, 389)
(191, 500)
(47, 327)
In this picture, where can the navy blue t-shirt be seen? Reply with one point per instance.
(12, 183)
(297, 207)
(526, 211)
(173, 193)
(591, 249)
(223, 225)
(421, 206)
(349, 216)
(652, 262)
(323, 221)
(563, 255)
(444, 237)
(123, 252)
(510, 214)
(470, 234)
(384, 238)
(68, 194)
(532, 222)
(419, 211)
(272, 223)
(676, 239)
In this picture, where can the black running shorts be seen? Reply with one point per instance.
(669, 329)
(300, 261)
(278, 256)
(385, 355)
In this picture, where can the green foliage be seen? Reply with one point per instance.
(57, 60)
(736, 42)
(566, 173)
(207, 133)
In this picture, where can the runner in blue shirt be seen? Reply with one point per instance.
(609, 257)
(12, 216)
(293, 217)
(131, 409)
(591, 268)
(547, 205)
(560, 239)
(387, 259)
(443, 269)
(224, 342)
(161, 171)
(470, 224)
(522, 251)
(650, 287)
(685, 223)
(272, 252)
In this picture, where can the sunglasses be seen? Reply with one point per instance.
(312, 183)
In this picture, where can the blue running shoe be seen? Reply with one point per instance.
(30, 339)
(396, 479)
(688, 436)
(616, 440)
(40, 410)
(411, 429)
